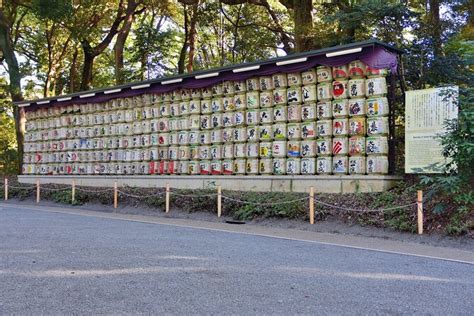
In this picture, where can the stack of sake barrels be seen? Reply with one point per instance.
(321, 121)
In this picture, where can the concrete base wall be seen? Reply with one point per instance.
(321, 184)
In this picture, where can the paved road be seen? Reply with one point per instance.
(52, 263)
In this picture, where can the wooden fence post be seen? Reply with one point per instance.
(219, 201)
(73, 191)
(115, 195)
(311, 205)
(420, 211)
(167, 202)
(6, 189)
(37, 191)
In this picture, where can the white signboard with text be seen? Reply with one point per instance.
(426, 112)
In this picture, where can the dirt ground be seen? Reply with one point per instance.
(330, 225)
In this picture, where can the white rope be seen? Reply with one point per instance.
(263, 204)
(22, 188)
(364, 211)
(53, 189)
(194, 195)
(140, 196)
(94, 191)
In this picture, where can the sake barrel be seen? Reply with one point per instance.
(240, 86)
(173, 152)
(340, 146)
(206, 122)
(308, 166)
(308, 130)
(324, 165)
(279, 80)
(163, 152)
(356, 145)
(239, 118)
(377, 165)
(184, 108)
(340, 72)
(309, 77)
(377, 126)
(357, 165)
(228, 88)
(185, 94)
(164, 111)
(294, 131)
(216, 90)
(196, 93)
(228, 119)
(374, 72)
(163, 139)
(340, 108)
(252, 117)
(324, 90)
(293, 166)
(340, 126)
(194, 122)
(340, 164)
(252, 150)
(163, 125)
(279, 166)
(228, 151)
(324, 110)
(265, 166)
(357, 126)
(183, 123)
(193, 152)
(228, 135)
(204, 152)
(216, 167)
(308, 112)
(194, 106)
(251, 166)
(193, 167)
(216, 120)
(216, 105)
(356, 69)
(183, 152)
(376, 145)
(240, 150)
(294, 148)
(239, 166)
(173, 138)
(279, 96)
(204, 167)
(153, 154)
(357, 107)
(308, 93)
(253, 99)
(183, 167)
(216, 136)
(204, 137)
(266, 115)
(154, 141)
(294, 95)
(216, 152)
(356, 88)
(206, 107)
(176, 95)
(253, 84)
(240, 134)
(253, 133)
(294, 79)
(324, 74)
(294, 112)
(377, 106)
(280, 113)
(266, 83)
(266, 99)
(228, 167)
(324, 128)
(340, 89)
(375, 87)
(265, 150)
(279, 131)
(193, 137)
(240, 101)
(308, 148)
(279, 149)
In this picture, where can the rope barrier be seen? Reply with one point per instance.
(364, 211)
(193, 195)
(21, 188)
(140, 196)
(54, 189)
(94, 191)
(264, 204)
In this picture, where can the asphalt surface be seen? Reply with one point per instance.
(53, 263)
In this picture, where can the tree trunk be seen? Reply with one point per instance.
(182, 54)
(73, 72)
(192, 37)
(87, 66)
(435, 27)
(15, 84)
(303, 20)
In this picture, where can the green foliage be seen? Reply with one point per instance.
(400, 220)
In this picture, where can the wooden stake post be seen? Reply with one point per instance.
(73, 191)
(6, 189)
(420, 211)
(219, 201)
(167, 202)
(311, 205)
(115, 195)
(37, 191)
